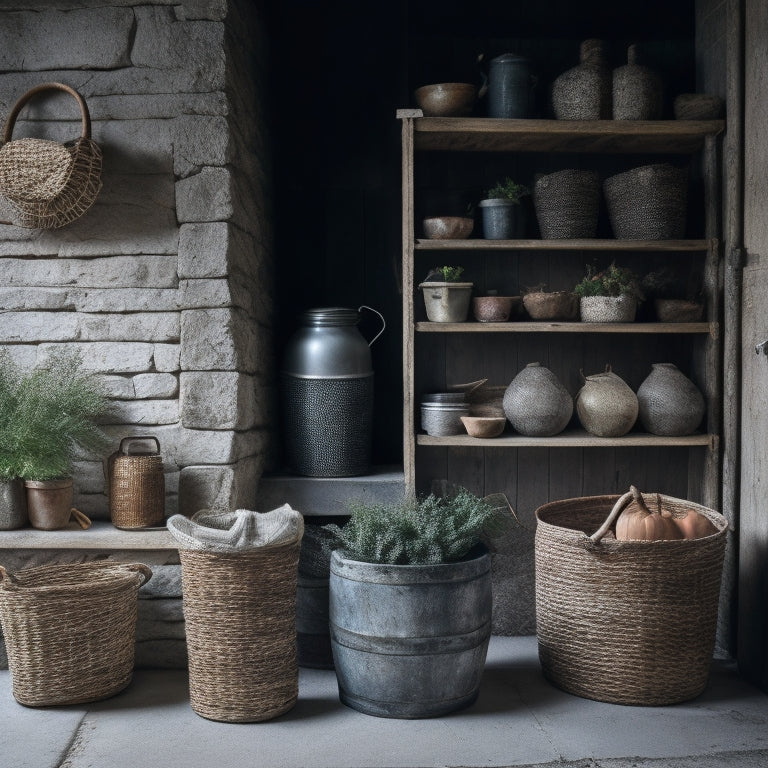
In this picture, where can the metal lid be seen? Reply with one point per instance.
(509, 58)
(329, 316)
(443, 397)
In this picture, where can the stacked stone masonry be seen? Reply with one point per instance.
(164, 286)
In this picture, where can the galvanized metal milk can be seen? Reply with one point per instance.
(327, 382)
(136, 484)
(509, 86)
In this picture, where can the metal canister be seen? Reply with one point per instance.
(136, 484)
(509, 86)
(327, 397)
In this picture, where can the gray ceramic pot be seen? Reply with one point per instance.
(536, 403)
(670, 403)
(606, 405)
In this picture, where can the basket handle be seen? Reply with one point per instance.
(142, 570)
(621, 502)
(22, 101)
(137, 437)
(81, 518)
(6, 577)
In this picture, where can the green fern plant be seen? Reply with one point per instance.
(418, 532)
(47, 414)
(507, 189)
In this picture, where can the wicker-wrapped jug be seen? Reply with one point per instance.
(637, 90)
(584, 92)
(536, 403)
(136, 484)
(669, 402)
(606, 405)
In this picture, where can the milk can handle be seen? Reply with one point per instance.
(383, 322)
(138, 437)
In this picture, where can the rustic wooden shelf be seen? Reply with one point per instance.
(472, 134)
(570, 439)
(636, 246)
(543, 326)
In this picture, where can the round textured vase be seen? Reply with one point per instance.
(606, 405)
(584, 92)
(608, 309)
(446, 302)
(409, 641)
(13, 505)
(536, 403)
(49, 503)
(637, 90)
(669, 402)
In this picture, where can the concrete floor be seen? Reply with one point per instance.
(518, 720)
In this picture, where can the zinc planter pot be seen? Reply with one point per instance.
(13, 505)
(608, 309)
(446, 302)
(502, 219)
(410, 641)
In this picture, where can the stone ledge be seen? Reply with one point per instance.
(102, 535)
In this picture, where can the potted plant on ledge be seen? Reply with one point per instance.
(446, 298)
(608, 296)
(55, 413)
(410, 604)
(501, 211)
(13, 499)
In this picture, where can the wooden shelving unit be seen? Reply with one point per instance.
(446, 135)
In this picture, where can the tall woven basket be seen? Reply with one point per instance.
(136, 485)
(46, 183)
(567, 204)
(627, 622)
(240, 613)
(70, 630)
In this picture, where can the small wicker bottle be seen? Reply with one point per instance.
(136, 485)
(584, 92)
(637, 90)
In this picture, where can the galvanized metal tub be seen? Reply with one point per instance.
(410, 641)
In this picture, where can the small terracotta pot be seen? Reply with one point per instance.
(49, 503)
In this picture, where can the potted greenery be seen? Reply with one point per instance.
(608, 296)
(445, 297)
(13, 500)
(410, 604)
(501, 212)
(53, 413)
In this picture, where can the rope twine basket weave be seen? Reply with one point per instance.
(239, 576)
(70, 630)
(567, 204)
(48, 184)
(627, 622)
(136, 486)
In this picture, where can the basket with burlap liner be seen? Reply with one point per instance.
(70, 630)
(136, 485)
(627, 622)
(239, 575)
(48, 184)
(567, 204)
(648, 203)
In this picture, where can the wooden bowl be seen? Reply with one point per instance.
(448, 227)
(446, 99)
(484, 426)
(553, 305)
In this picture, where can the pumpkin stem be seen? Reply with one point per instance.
(638, 497)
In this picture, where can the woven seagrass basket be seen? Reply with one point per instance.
(48, 184)
(240, 614)
(70, 630)
(136, 485)
(627, 622)
(567, 204)
(648, 202)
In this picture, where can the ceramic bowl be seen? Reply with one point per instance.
(446, 99)
(448, 227)
(554, 305)
(484, 426)
(494, 309)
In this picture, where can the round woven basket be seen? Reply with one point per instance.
(551, 305)
(627, 622)
(648, 203)
(70, 630)
(240, 614)
(48, 184)
(567, 204)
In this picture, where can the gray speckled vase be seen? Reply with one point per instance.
(606, 405)
(670, 403)
(536, 403)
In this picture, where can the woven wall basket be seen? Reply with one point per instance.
(70, 630)
(48, 184)
(628, 622)
(240, 613)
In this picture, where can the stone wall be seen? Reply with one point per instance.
(164, 285)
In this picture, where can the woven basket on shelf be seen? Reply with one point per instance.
(648, 203)
(48, 184)
(240, 614)
(567, 204)
(70, 630)
(551, 305)
(628, 622)
(136, 486)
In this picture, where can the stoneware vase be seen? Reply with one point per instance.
(410, 641)
(13, 505)
(608, 309)
(637, 90)
(446, 302)
(606, 405)
(584, 92)
(669, 402)
(49, 503)
(536, 403)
